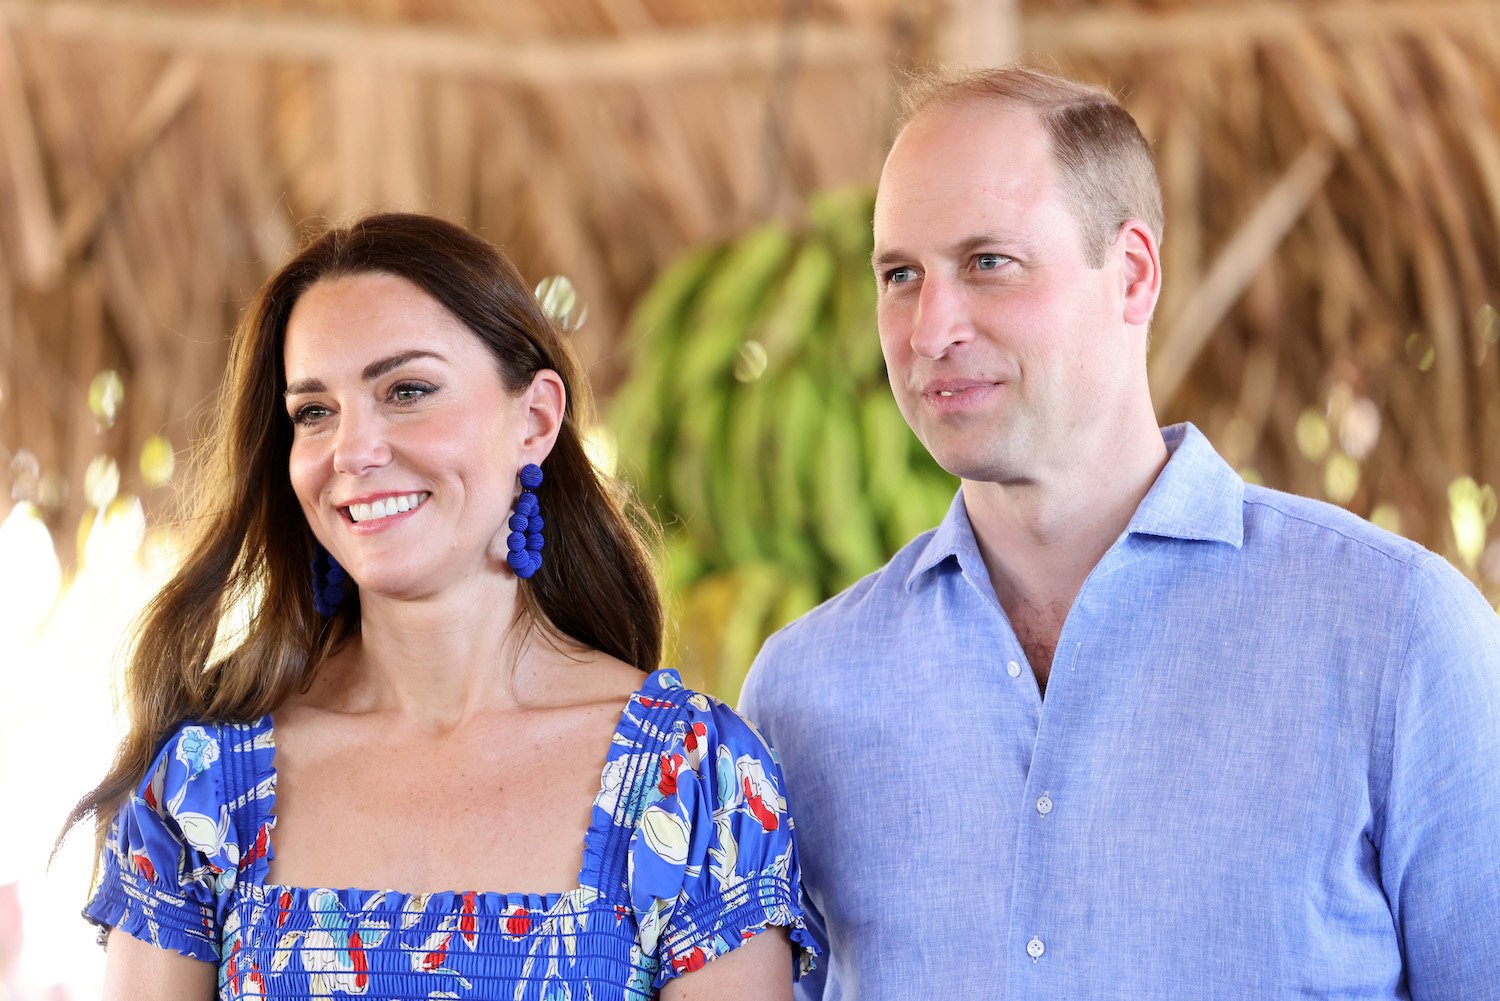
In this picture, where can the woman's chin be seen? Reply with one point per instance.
(398, 589)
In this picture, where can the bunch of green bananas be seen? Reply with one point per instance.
(758, 423)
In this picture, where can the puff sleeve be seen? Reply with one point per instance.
(713, 860)
(171, 856)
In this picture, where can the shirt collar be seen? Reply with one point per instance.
(1196, 497)
(954, 538)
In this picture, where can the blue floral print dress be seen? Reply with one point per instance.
(689, 852)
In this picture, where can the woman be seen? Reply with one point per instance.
(435, 720)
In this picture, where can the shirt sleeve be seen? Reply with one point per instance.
(761, 702)
(1442, 816)
(714, 861)
(171, 858)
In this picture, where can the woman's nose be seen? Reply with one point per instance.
(359, 443)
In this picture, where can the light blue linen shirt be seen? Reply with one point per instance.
(1267, 765)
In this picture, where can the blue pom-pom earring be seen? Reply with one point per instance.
(329, 580)
(525, 538)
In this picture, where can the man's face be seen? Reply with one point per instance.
(1008, 355)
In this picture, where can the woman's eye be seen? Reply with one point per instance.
(410, 392)
(310, 414)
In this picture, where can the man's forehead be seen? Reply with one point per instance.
(980, 121)
(966, 162)
(980, 147)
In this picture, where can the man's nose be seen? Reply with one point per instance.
(359, 443)
(942, 318)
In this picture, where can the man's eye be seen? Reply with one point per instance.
(900, 276)
(989, 262)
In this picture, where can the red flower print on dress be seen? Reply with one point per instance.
(361, 961)
(671, 764)
(467, 923)
(434, 958)
(695, 741)
(517, 921)
(154, 788)
(757, 803)
(258, 849)
(692, 961)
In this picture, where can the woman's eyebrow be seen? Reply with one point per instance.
(374, 370)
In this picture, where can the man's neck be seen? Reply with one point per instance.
(1040, 538)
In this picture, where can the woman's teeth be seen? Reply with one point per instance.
(385, 507)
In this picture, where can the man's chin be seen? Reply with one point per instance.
(973, 468)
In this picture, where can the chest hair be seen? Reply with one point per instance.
(1038, 628)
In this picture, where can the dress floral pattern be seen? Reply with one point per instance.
(689, 852)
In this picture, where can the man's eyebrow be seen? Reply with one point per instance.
(963, 248)
(981, 240)
(1010, 244)
(374, 370)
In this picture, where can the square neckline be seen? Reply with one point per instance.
(596, 828)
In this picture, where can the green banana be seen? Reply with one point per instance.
(688, 475)
(729, 304)
(799, 313)
(643, 427)
(740, 475)
(794, 462)
(846, 527)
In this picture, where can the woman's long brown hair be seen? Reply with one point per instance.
(250, 543)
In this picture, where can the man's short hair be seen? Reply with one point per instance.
(1104, 164)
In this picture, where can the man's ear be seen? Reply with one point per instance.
(545, 401)
(1141, 271)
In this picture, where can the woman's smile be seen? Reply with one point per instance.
(383, 508)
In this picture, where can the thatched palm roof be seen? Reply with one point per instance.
(1333, 175)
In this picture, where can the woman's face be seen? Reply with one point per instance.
(405, 444)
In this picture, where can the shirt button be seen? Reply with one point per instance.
(1035, 948)
(1013, 669)
(1044, 806)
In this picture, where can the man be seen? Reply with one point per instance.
(1122, 726)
